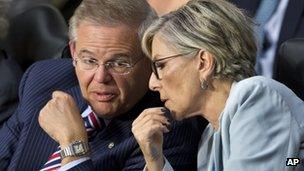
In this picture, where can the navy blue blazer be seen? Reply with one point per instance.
(25, 146)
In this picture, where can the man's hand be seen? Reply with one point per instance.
(148, 130)
(60, 119)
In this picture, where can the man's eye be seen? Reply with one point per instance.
(89, 61)
(120, 64)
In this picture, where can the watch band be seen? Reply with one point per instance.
(75, 149)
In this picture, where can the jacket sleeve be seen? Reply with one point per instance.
(258, 132)
(10, 131)
(83, 166)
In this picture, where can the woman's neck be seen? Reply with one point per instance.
(215, 98)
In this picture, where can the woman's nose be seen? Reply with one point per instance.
(154, 83)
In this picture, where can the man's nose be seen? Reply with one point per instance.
(102, 75)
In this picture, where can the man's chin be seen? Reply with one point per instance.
(104, 110)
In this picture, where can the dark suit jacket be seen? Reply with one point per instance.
(25, 146)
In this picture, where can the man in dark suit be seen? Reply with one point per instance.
(292, 25)
(88, 111)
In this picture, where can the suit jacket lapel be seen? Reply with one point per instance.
(218, 151)
(76, 94)
(119, 129)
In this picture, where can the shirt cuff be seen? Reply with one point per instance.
(167, 166)
(73, 164)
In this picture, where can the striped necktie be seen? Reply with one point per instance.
(92, 125)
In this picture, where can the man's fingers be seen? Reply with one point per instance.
(59, 94)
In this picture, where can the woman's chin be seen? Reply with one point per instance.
(178, 115)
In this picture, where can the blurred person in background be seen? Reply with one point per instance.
(10, 72)
(66, 7)
(276, 21)
(37, 31)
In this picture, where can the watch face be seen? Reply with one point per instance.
(78, 148)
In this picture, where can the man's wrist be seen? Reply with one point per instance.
(74, 151)
(69, 140)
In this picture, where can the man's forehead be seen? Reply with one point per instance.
(120, 35)
(110, 27)
(114, 55)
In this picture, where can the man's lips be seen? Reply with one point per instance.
(104, 96)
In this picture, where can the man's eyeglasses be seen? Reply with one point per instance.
(117, 66)
(156, 65)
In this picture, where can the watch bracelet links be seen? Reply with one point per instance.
(69, 151)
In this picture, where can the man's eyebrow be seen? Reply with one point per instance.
(85, 52)
(121, 56)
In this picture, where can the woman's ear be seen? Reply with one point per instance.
(206, 64)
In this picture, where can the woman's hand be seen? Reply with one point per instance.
(148, 130)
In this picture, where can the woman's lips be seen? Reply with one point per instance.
(166, 103)
(164, 100)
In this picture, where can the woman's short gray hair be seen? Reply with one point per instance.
(109, 12)
(3, 17)
(216, 26)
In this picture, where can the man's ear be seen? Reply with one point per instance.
(206, 64)
(72, 46)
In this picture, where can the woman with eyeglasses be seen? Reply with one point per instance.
(203, 58)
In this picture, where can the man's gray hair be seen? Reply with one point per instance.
(110, 13)
(3, 17)
(216, 26)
